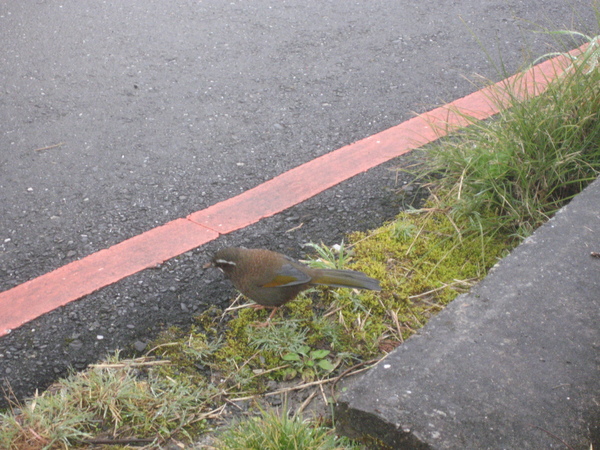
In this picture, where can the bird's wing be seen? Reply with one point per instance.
(288, 275)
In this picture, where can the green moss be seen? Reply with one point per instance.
(421, 270)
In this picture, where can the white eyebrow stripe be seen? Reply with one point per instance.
(224, 261)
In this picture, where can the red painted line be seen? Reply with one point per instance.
(313, 177)
(33, 298)
(45, 293)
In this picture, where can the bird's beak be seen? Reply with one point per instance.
(208, 265)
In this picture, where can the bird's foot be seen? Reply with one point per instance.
(257, 306)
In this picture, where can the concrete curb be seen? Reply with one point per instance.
(513, 364)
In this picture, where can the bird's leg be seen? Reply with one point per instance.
(273, 313)
(268, 321)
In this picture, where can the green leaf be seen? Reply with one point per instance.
(304, 350)
(319, 354)
(326, 365)
(291, 357)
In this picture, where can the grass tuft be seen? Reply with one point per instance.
(272, 431)
(524, 165)
(115, 400)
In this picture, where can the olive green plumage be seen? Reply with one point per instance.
(272, 279)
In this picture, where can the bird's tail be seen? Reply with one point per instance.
(345, 278)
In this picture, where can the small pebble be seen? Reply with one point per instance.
(139, 346)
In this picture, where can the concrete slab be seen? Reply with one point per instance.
(513, 364)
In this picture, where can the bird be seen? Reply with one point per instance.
(272, 279)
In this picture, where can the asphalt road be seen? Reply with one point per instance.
(117, 117)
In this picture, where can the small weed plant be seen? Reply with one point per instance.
(308, 363)
(335, 257)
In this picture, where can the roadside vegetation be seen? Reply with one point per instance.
(489, 186)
